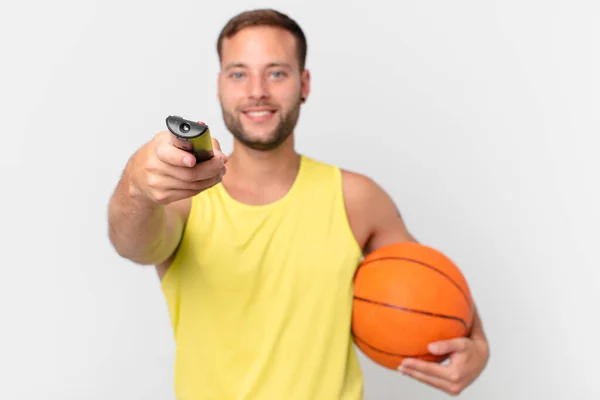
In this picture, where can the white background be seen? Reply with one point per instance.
(480, 118)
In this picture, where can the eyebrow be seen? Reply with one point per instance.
(270, 65)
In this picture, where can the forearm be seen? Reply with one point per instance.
(477, 333)
(141, 231)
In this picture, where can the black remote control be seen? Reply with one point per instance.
(194, 137)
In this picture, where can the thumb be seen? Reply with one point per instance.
(217, 150)
(448, 346)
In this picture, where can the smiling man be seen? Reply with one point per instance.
(261, 110)
(257, 263)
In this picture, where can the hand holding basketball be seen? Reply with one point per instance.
(406, 296)
(412, 310)
(467, 358)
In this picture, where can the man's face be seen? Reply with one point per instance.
(261, 86)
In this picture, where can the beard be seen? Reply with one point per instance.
(274, 139)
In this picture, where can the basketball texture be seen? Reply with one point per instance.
(407, 295)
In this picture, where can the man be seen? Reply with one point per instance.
(257, 264)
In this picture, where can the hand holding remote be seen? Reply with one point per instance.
(170, 168)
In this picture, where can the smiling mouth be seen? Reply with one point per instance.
(258, 114)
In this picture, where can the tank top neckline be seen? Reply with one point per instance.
(281, 201)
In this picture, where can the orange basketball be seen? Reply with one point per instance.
(406, 296)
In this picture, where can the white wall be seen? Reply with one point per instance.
(480, 118)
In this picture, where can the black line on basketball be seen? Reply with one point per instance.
(428, 313)
(427, 266)
(357, 338)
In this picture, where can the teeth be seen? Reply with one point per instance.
(258, 113)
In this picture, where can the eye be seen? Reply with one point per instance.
(236, 75)
(277, 74)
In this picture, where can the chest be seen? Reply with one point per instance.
(278, 251)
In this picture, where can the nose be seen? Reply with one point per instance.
(258, 87)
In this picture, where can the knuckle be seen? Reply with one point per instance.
(162, 136)
(455, 390)
(151, 165)
(161, 144)
(159, 153)
(153, 181)
(164, 154)
(159, 196)
(455, 377)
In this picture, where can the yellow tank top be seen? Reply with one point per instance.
(260, 297)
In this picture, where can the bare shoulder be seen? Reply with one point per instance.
(177, 210)
(373, 216)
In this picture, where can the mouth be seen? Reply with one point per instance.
(259, 115)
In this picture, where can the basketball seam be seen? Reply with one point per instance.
(469, 304)
(432, 314)
(359, 339)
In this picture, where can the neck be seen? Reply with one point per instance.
(255, 169)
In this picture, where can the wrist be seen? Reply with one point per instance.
(482, 346)
(133, 190)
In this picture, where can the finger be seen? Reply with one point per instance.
(197, 185)
(448, 346)
(166, 190)
(217, 150)
(207, 169)
(204, 170)
(215, 143)
(427, 367)
(442, 384)
(169, 153)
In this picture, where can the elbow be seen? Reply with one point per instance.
(125, 250)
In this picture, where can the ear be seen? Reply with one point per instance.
(305, 81)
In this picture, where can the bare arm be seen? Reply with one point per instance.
(468, 356)
(387, 224)
(387, 227)
(375, 220)
(477, 333)
(151, 203)
(143, 231)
